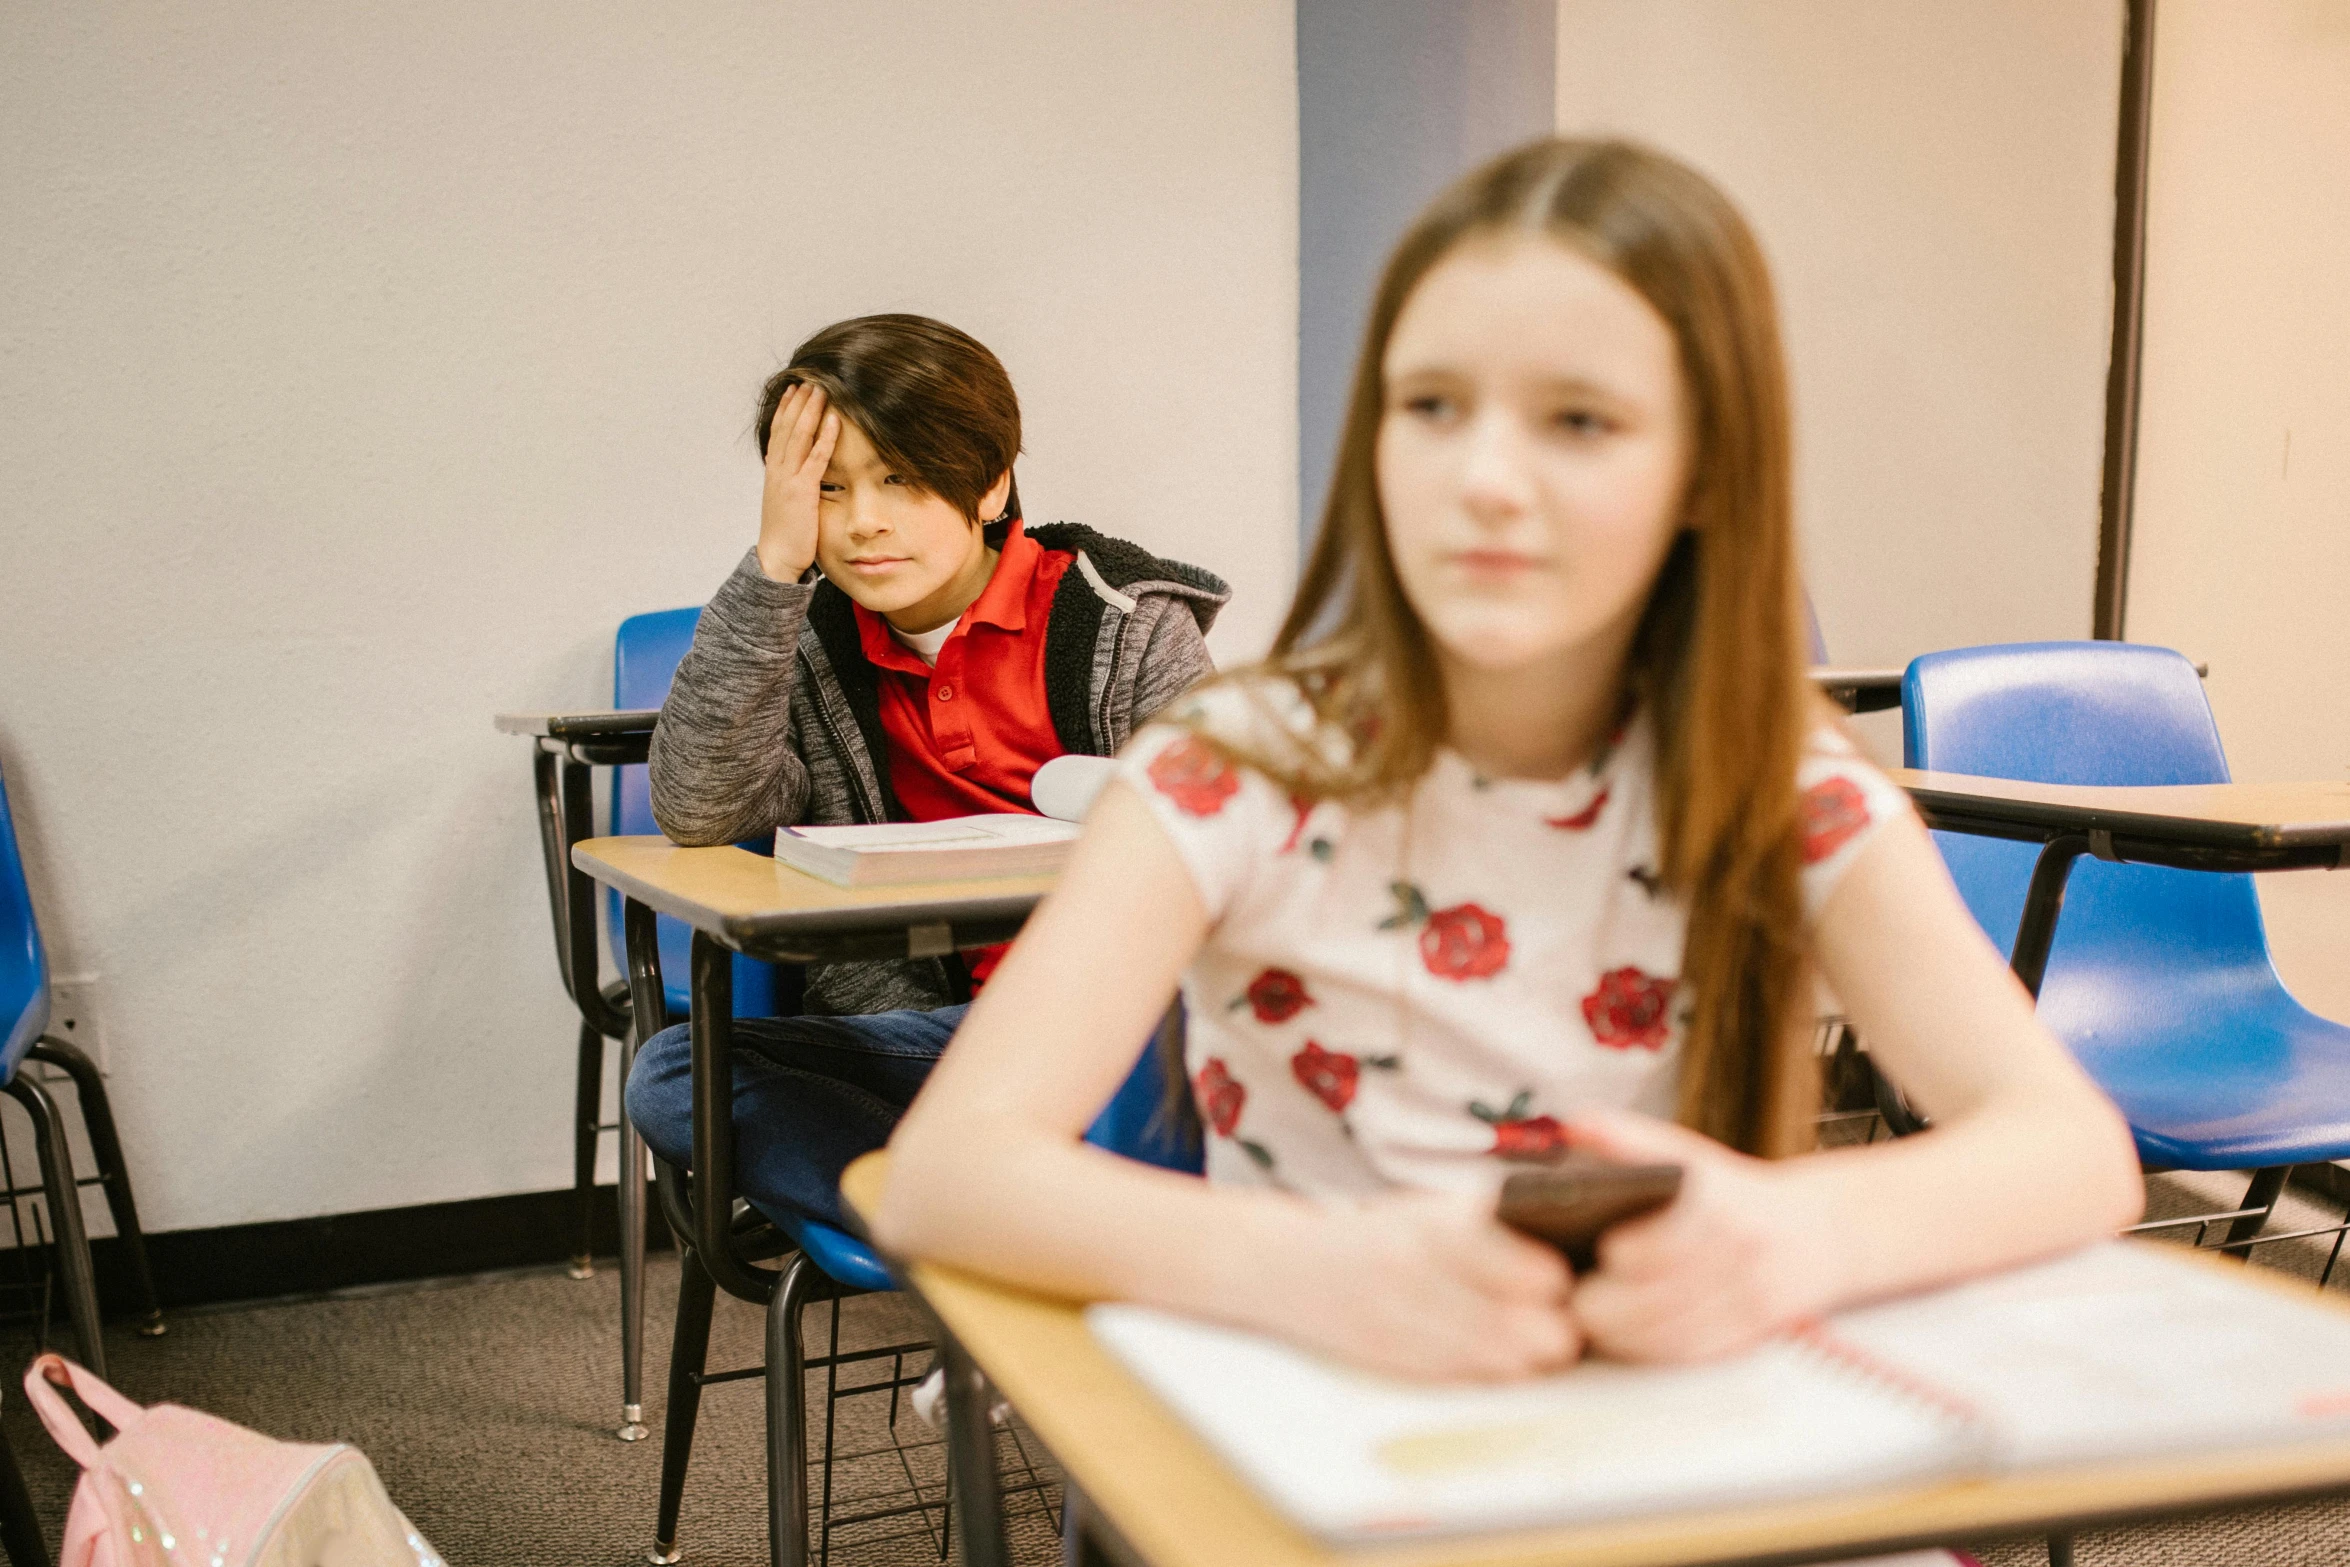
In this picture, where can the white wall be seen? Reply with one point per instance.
(361, 367)
(2242, 538)
(1933, 181)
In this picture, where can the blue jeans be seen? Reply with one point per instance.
(810, 1095)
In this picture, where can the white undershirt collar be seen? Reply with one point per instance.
(925, 644)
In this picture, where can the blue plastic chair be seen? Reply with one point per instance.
(2159, 980)
(644, 661)
(24, 1013)
(1144, 1120)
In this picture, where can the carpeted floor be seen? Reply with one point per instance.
(487, 1405)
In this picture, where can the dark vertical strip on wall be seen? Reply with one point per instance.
(1394, 98)
(2129, 312)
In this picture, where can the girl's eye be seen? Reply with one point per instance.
(1431, 406)
(894, 479)
(827, 487)
(1582, 421)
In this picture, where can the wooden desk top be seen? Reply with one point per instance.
(2220, 816)
(1176, 1505)
(757, 906)
(578, 726)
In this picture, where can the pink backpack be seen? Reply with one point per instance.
(176, 1488)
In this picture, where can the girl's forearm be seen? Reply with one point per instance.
(1069, 1219)
(2013, 1182)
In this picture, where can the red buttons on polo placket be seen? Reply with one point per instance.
(946, 693)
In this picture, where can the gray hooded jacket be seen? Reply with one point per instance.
(774, 718)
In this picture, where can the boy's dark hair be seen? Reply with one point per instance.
(934, 402)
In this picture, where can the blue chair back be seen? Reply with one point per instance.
(644, 660)
(2142, 953)
(1143, 1121)
(1151, 1117)
(24, 966)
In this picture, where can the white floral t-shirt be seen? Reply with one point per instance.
(1418, 994)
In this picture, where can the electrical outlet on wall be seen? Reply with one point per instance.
(74, 1015)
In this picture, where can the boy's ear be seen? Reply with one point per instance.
(999, 494)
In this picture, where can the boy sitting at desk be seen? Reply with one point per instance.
(897, 647)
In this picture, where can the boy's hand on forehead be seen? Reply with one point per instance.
(1745, 1249)
(799, 448)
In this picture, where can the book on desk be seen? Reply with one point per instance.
(2120, 1352)
(955, 848)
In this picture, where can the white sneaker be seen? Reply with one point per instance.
(929, 1399)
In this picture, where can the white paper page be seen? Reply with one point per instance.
(1348, 1454)
(1067, 786)
(965, 832)
(2121, 1351)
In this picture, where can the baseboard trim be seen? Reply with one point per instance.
(340, 1251)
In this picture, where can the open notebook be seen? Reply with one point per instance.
(2121, 1351)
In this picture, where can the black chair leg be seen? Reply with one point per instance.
(2060, 1550)
(20, 1527)
(971, 1457)
(587, 1115)
(98, 1118)
(65, 1216)
(1078, 1549)
(2267, 1186)
(689, 1352)
(787, 1415)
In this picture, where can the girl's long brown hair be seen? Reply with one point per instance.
(1716, 659)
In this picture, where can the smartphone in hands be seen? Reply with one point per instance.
(1569, 1204)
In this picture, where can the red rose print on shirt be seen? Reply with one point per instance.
(1630, 1010)
(1195, 776)
(1220, 1097)
(1332, 1075)
(1833, 810)
(1582, 819)
(1276, 996)
(1329, 1075)
(1517, 1135)
(1463, 942)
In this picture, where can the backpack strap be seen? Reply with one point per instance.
(41, 1381)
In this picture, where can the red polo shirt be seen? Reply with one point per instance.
(966, 734)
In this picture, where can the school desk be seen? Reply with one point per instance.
(2209, 827)
(1156, 1496)
(721, 884)
(1860, 690)
(737, 901)
(743, 902)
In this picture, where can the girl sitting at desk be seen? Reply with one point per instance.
(1526, 837)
